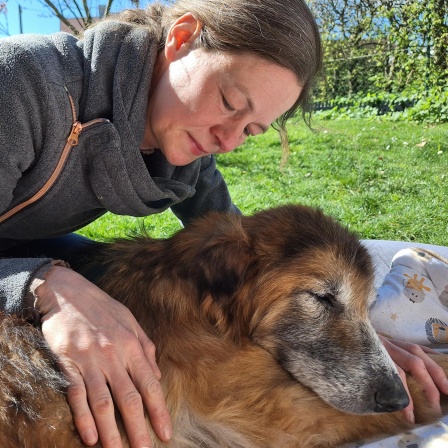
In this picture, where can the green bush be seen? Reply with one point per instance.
(429, 107)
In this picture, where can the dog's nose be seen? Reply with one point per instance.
(391, 398)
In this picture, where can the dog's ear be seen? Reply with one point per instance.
(223, 256)
(217, 257)
(226, 263)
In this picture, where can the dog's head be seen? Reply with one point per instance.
(298, 284)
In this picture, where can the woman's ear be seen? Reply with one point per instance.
(184, 30)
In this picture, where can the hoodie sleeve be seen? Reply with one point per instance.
(211, 194)
(16, 275)
(23, 108)
(22, 99)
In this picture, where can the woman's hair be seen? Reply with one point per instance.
(281, 31)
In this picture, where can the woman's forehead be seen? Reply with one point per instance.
(243, 66)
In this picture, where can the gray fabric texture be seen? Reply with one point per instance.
(107, 74)
(15, 279)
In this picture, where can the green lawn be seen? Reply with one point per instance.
(385, 180)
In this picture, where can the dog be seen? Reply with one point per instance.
(262, 333)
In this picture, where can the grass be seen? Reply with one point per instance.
(384, 180)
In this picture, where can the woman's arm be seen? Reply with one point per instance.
(211, 194)
(23, 105)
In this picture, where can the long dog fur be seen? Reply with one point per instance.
(262, 333)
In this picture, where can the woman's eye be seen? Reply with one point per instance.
(226, 104)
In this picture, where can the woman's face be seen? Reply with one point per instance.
(205, 103)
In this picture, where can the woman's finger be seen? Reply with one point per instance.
(147, 383)
(436, 372)
(130, 405)
(102, 407)
(149, 350)
(77, 400)
(408, 411)
(414, 360)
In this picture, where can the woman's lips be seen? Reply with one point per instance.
(196, 148)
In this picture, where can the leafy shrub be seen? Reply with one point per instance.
(428, 107)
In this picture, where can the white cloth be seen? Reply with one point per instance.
(412, 302)
(427, 436)
(382, 252)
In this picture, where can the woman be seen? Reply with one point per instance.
(139, 110)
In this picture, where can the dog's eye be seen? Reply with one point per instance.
(327, 299)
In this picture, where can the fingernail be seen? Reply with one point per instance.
(90, 437)
(167, 432)
(411, 417)
(445, 384)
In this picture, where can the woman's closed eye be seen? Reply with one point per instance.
(227, 105)
(230, 108)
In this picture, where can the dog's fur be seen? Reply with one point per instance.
(262, 333)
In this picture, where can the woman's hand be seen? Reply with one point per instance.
(107, 358)
(413, 359)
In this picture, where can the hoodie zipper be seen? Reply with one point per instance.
(72, 141)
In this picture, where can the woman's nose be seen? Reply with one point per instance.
(230, 135)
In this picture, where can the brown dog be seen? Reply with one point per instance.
(262, 332)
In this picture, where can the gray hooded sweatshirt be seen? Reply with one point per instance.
(46, 84)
